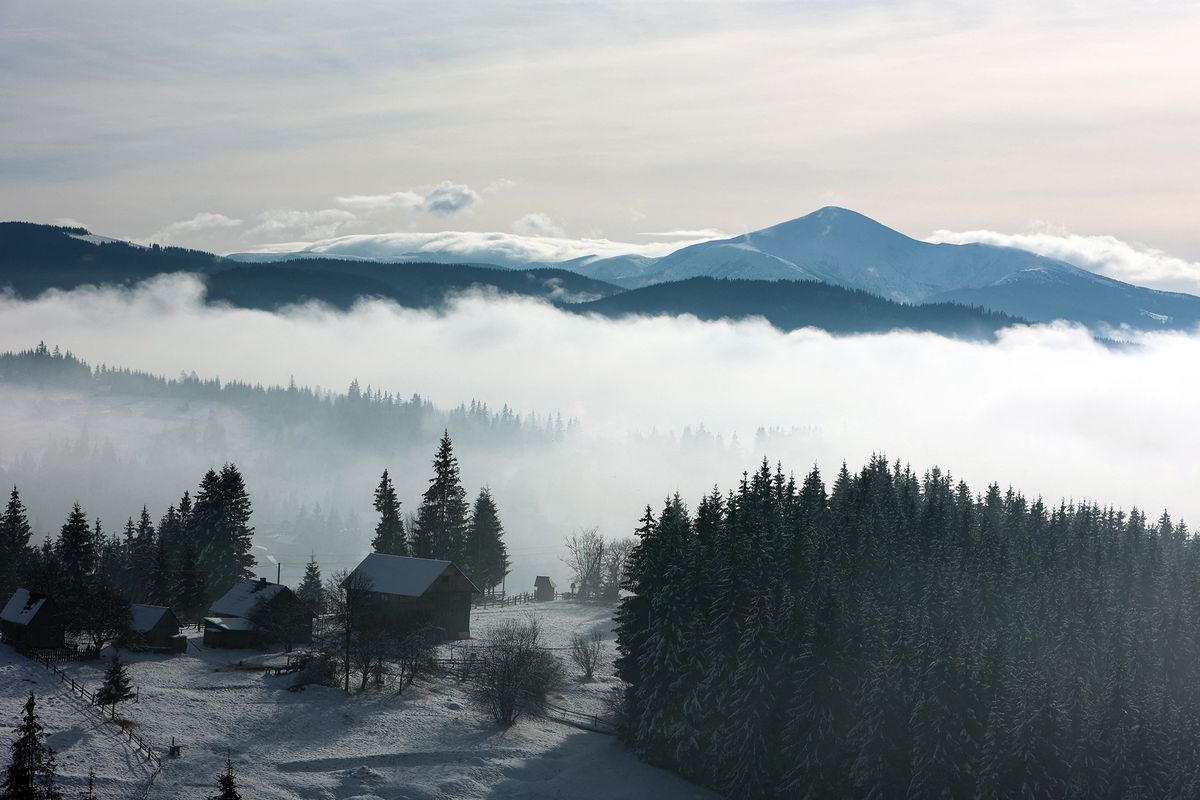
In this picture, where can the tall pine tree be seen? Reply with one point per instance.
(31, 773)
(14, 543)
(389, 531)
(441, 525)
(486, 561)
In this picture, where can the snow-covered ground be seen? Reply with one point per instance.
(428, 743)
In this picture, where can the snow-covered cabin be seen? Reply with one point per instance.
(420, 588)
(543, 588)
(237, 618)
(153, 626)
(31, 620)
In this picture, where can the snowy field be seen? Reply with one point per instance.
(428, 743)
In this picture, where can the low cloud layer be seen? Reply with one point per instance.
(1107, 255)
(1046, 409)
(534, 242)
(199, 223)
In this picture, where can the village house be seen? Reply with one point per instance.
(255, 612)
(419, 588)
(31, 621)
(154, 627)
(543, 588)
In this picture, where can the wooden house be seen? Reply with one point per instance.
(421, 588)
(31, 621)
(255, 612)
(543, 588)
(153, 627)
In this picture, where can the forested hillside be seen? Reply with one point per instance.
(789, 305)
(362, 416)
(897, 635)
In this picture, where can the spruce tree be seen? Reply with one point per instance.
(189, 591)
(311, 590)
(31, 772)
(226, 784)
(220, 523)
(159, 586)
(441, 527)
(117, 686)
(486, 561)
(389, 531)
(14, 543)
(76, 551)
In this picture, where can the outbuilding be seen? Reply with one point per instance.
(420, 588)
(31, 621)
(543, 588)
(153, 627)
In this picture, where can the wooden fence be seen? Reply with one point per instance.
(141, 745)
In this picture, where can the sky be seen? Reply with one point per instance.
(230, 126)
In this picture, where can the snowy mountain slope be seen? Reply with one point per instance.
(844, 248)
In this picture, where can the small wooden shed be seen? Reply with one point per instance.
(543, 588)
(153, 627)
(31, 621)
(420, 588)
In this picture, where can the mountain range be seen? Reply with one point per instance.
(835, 269)
(843, 248)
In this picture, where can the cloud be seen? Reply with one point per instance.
(289, 222)
(1039, 409)
(537, 224)
(406, 200)
(204, 221)
(699, 234)
(505, 249)
(443, 200)
(449, 198)
(1106, 255)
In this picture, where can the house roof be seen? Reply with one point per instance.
(402, 575)
(230, 623)
(144, 618)
(244, 598)
(22, 607)
(543, 580)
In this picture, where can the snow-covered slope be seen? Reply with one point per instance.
(428, 743)
(845, 248)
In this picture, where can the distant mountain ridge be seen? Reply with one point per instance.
(843, 248)
(35, 258)
(833, 246)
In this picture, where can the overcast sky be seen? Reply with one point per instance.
(231, 125)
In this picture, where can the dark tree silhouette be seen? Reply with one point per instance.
(31, 772)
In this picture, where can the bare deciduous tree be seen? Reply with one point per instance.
(514, 672)
(616, 553)
(585, 652)
(585, 558)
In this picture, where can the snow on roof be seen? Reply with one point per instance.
(229, 623)
(243, 599)
(401, 575)
(22, 607)
(146, 617)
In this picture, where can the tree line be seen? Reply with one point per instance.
(897, 636)
(196, 551)
(364, 416)
(445, 527)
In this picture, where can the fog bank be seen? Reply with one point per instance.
(1046, 409)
